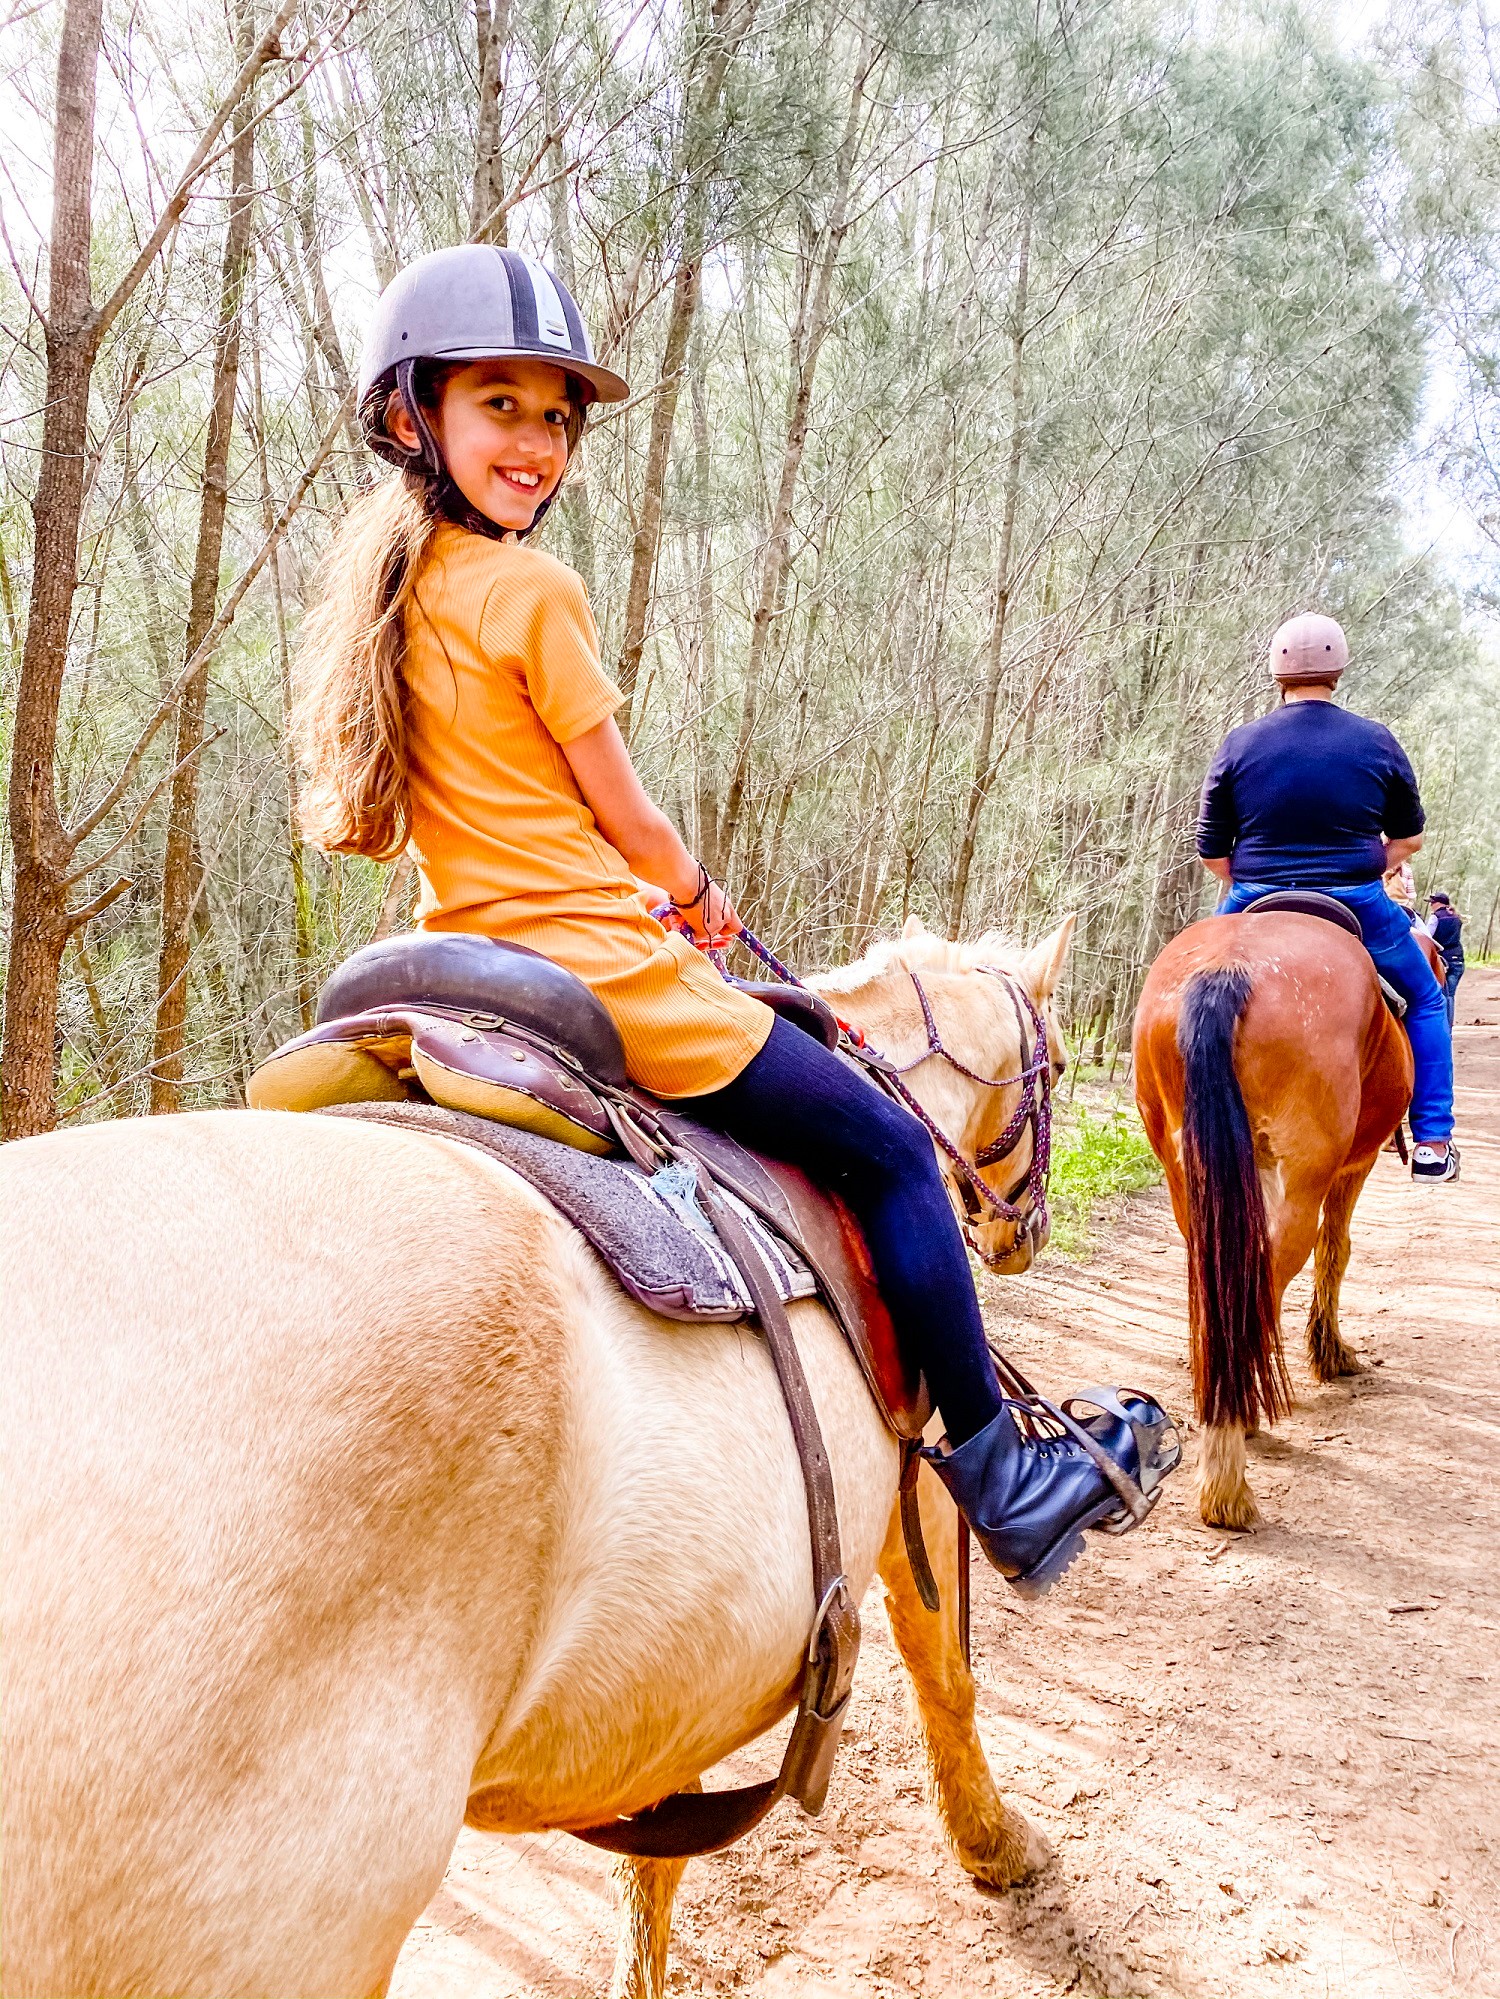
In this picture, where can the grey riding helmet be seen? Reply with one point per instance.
(475, 302)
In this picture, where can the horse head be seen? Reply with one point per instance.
(959, 1020)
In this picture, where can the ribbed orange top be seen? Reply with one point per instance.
(502, 669)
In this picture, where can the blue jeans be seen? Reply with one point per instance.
(1450, 994)
(1389, 941)
(798, 1102)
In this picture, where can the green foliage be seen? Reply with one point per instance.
(1253, 260)
(1098, 1156)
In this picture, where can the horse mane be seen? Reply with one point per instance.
(920, 951)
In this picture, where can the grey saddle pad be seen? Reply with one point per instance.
(649, 1228)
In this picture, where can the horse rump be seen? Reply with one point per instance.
(1238, 1370)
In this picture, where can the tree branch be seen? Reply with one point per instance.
(138, 817)
(265, 50)
(77, 918)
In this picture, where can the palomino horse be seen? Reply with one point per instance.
(1269, 1074)
(350, 1501)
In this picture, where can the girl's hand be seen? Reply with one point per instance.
(713, 923)
(709, 920)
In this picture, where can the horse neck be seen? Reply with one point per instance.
(977, 1024)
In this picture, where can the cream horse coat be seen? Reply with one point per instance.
(348, 1499)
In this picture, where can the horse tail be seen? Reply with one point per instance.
(1238, 1370)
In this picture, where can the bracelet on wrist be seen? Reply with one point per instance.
(705, 883)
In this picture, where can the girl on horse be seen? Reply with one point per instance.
(1314, 796)
(456, 707)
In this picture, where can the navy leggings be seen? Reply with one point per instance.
(798, 1102)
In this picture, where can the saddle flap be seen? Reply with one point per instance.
(370, 1057)
(822, 1229)
(497, 1075)
(311, 1074)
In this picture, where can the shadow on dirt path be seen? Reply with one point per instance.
(1267, 1762)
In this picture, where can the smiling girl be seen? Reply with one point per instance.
(456, 706)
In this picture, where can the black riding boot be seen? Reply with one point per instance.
(1029, 1495)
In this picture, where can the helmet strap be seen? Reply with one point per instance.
(429, 454)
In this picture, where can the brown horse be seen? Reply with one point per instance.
(1268, 1073)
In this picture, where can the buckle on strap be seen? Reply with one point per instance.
(827, 1680)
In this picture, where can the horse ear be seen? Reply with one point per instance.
(914, 927)
(1041, 968)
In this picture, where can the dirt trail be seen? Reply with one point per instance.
(1263, 1769)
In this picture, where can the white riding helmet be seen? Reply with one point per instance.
(1309, 647)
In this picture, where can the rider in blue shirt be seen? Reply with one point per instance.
(1313, 796)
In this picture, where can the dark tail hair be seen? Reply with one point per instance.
(1238, 1370)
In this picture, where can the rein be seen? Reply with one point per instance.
(1033, 1111)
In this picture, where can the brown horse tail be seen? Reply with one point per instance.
(1238, 1371)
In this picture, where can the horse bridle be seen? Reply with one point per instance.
(1034, 1111)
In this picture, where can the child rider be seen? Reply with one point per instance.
(455, 703)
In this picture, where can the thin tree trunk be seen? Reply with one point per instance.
(109, 1065)
(576, 502)
(487, 198)
(44, 847)
(138, 525)
(393, 902)
(704, 689)
(984, 766)
(810, 333)
(180, 891)
(304, 918)
(729, 22)
(40, 921)
(323, 329)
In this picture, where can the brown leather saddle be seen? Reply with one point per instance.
(1310, 902)
(498, 1048)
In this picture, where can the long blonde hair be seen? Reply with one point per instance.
(350, 722)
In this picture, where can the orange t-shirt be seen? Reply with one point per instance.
(503, 668)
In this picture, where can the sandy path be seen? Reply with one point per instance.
(1259, 1777)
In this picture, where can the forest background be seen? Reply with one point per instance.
(1003, 373)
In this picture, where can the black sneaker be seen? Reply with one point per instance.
(1433, 1167)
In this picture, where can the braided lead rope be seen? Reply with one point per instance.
(935, 1044)
(768, 958)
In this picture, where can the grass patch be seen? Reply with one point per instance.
(1098, 1156)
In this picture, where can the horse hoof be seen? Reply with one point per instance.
(1236, 1510)
(1337, 1365)
(1019, 1850)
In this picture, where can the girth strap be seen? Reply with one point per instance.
(692, 1822)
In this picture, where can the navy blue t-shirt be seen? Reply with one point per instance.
(1306, 796)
